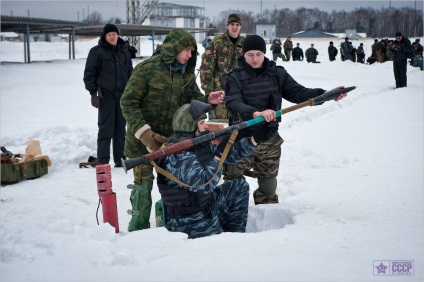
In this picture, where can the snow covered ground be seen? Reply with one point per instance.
(350, 185)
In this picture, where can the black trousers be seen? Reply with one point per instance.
(399, 69)
(111, 124)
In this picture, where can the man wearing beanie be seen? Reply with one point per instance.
(218, 60)
(255, 88)
(402, 50)
(106, 73)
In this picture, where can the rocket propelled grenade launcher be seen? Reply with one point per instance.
(189, 143)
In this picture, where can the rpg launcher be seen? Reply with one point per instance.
(185, 145)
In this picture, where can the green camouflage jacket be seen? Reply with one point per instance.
(288, 45)
(154, 92)
(218, 60)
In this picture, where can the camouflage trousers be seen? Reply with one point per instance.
(275, 56)
(265, 160)
(143, 171)
(228, 212)
(288, 54)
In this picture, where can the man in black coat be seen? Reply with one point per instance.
(402, 50)
(297, 53)
(106, 73)
(256, 87)
(332, 52)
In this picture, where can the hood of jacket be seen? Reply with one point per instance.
(175, 42)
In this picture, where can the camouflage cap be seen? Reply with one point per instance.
(234, 18)
(186, 117)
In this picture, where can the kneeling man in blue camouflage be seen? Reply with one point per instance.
(193, 201)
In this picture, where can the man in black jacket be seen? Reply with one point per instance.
(256, 88)
(332, 52)
(297, 53)
(106, 73)
(402, 50)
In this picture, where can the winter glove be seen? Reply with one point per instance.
(153, 141)
(203, 153)
(95, 100)
(221, 146)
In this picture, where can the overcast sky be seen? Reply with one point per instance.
(75, 10)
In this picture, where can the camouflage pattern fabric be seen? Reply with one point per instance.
(218, 60)
(228, 213)
(182, 120)
(288, 47)
(265, 160)
(154, 92)
(230, 200)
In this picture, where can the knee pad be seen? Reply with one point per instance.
(268, 186)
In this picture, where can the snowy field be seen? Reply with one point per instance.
(350, 185)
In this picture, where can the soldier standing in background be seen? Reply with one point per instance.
(381, 51)
(276, 50)
(332, 52)
(288, 47)
(155, 90)
(374, 48)
(218, 60)
(360, 54)
(352, 52)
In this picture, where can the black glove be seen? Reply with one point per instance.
(221, 146)
(95, 101)
(203, 153)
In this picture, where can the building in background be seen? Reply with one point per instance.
(313, 35)
(266, 31)
(178, 16)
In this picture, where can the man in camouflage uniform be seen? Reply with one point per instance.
(156, 89)
(276, 50)
(218, 59)
(374, 48)
(380, 51)
(288, 47)
(256, 88)
(211, 208)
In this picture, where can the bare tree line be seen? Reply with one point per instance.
(384, 22)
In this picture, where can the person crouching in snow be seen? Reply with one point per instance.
(211, 208)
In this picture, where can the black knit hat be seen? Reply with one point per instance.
(254, 42)
(234, 18)
(398, 34)
(110, 28)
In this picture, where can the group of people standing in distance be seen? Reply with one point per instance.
(160, 103)
(295, 53)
